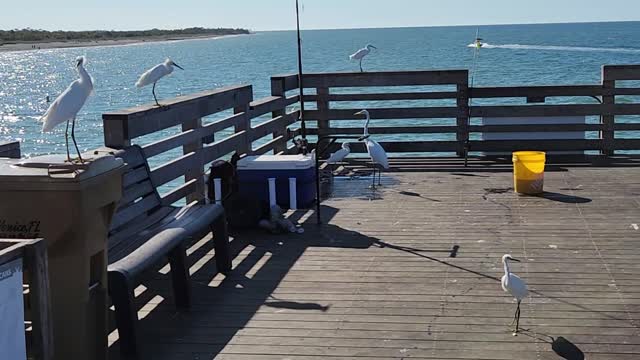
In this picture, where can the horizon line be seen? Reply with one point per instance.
(461, 25)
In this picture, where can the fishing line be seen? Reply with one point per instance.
(474, 68)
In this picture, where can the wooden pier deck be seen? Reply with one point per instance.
(412, 271)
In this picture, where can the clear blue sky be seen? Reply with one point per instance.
(318, 14)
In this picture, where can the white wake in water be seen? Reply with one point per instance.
(556, 48)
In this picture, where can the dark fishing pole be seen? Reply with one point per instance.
(303, 125)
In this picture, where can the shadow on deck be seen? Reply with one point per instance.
(412, 270)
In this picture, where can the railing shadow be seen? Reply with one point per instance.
(224, 305)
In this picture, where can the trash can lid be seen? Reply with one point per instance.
(54, 169)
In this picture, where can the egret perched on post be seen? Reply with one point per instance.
(375, 150)
(68, 104)
(156, 73)
(339, 155)
(360, 54)
(515, 286)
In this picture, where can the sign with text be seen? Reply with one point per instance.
(12, 341)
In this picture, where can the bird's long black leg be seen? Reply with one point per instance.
(154, 94)
(373, 168)
(379, 177)
(518, 317)
(73, 137)
(66, 141)
(361, 65)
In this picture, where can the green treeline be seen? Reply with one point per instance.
(24, 35)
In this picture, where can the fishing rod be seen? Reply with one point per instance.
(476, 56)
(303, 125)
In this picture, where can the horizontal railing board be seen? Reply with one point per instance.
(620, 72)
(435, 129)
(269, 145)
(173, 169)
(190, 136)
(225, 146)
(554, 110)
(147, 119)
(273, 125)
(387, 96)
(389, 113)
(535, 91)
(180, 192)
(385, 78)
(270, 104)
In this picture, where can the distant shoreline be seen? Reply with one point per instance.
(42, 45)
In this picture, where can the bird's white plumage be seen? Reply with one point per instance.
(339, 155)
(375, 150)
(377, 153)
(358, 55)
(155, 73)
(69, 103)
(512, 283)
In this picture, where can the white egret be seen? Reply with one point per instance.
(375, 150)
(339, 155)
(360, 54)
(515, 286)
(156, 73)
(68, 104)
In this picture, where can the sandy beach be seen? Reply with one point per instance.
(34, 46)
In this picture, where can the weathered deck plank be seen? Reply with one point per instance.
(378, 281)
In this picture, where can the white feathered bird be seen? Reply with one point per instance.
(156, 73)
(515, 286)
(339, 155)
(360, 54)
(66, 107)
(375, 150)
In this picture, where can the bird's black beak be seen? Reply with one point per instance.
(361, 138)
(516, 260)
(78, 62)
(374, 47)
(178, 66)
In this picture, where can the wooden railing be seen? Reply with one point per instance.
(198, 140)
(182, 139)
(10, 150)
(461, 108)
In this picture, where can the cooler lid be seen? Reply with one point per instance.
(276, 162)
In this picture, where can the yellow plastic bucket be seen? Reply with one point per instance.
(528, 172)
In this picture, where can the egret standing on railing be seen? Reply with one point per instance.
(375, 150)
(512, 284)
(360, 54)
(339, 155)
(68, 104)
(156, 73)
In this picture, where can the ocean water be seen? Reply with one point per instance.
(515, 55)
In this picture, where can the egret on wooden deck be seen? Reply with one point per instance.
(515, 286)
(375, 150)
(339, 155)
(360, 54)
(156, 73)
(68, 104)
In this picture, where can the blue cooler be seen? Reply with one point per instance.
(254, 173)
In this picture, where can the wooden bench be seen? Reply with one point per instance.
(144, 232)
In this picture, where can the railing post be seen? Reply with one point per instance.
(244, 124)
(462, 122)
(115, 131)
(278, 89)
(323, 114)
(607, 134)
(194, 173)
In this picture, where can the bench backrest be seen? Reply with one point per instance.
(139, 196)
